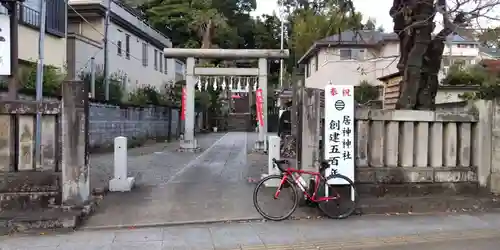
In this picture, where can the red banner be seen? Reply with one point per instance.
(259, 101)
(183, 104)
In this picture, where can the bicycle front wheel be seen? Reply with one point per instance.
(273, 200)
(340, 201)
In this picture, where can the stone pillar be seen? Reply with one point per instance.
(189, 142)
(74, 162)
(310, 137)
(274, 153)
(262, 141)
(483, 150)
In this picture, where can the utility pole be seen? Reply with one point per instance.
(106, 52)
(12, 7)
(39, 81)
(282, 45)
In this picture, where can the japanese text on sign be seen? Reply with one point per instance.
(259, 104)
(339, 130)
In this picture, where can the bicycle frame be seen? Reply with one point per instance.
(317, 177)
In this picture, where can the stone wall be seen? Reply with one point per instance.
(425, 150)
(455, 149)
(107, 121)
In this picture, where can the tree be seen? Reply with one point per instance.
(311, 24)
(420, 51)
(205, 21)
(370, 24)
(490, 37)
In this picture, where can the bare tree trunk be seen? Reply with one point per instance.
(420, 56)
(206, 42)
(421, 28)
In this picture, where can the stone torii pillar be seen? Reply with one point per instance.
(189, 142)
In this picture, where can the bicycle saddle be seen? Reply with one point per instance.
(280, 161)
(324, 164)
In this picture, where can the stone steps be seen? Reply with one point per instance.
(31, 201)
(239, 122)
(38, 220)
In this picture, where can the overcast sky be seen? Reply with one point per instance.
(378, 9)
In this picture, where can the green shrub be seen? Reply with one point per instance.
(366, 92)
(115, 85)
(146, 95)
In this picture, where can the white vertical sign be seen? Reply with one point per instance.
(339, 131)
(5, 69)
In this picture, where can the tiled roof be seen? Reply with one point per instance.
(490, 51)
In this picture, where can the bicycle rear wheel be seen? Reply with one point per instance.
(265, 194)
(339, 203)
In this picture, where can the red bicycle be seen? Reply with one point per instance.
(318, 192)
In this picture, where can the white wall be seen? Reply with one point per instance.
(369, 66)
(136, 74)
(374, 64)
(461, 49)
(129, 17)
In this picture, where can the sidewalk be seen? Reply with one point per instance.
(460, 231)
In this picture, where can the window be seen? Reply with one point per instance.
(446, 61)
(127, 46)
(29, 15)
(165, 65)
(144, 54)
(156, 60)
(316, 62)
(179, 67)
(460, 45)
(345, 54)
(161, 62)
(352, 54)
(119, 48)
(308, 70)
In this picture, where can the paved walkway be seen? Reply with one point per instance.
(212, 186)
(439, 232)
(147, 163)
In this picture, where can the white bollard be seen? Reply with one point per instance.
(274, 152)
(121, 183)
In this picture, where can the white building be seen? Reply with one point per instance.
(352, 57)
(29, 26)
(135, 48)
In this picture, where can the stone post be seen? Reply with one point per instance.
(189, 142)
(121, 182)
(74, 162)
(274, 153)
(262, 141)
(483, 149)
(298, 107)
(310, 123)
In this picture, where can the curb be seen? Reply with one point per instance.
(170, 224)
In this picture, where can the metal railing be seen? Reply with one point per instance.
(31, 17)
(54, 21)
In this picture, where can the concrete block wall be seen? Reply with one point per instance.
(109, 121)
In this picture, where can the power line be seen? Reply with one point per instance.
(97, 30)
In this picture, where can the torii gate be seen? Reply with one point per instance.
(189, 142)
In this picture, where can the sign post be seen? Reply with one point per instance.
(339, 132)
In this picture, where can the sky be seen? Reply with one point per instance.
(378, 9)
